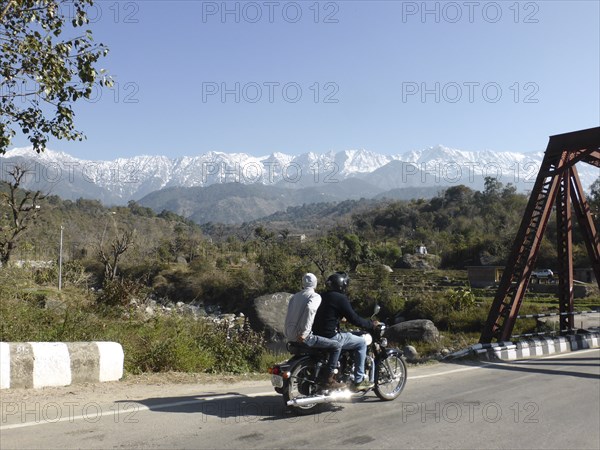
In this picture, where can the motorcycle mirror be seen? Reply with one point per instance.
(376, 309)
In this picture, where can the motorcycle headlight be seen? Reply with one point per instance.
(383, 342)
(368, 338)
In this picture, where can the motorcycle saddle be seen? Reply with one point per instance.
(297, 348)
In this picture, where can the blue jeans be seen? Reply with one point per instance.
(351, 341)
(334, 347)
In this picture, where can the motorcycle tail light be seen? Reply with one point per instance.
(275, 370)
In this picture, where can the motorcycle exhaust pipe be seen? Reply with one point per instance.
(314, 399)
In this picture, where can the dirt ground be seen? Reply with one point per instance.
(135, 387)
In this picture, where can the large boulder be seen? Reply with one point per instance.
(268, 315)
(420, 330)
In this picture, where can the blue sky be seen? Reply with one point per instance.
(387, 76)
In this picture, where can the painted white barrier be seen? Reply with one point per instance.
(51, 364)
(41, 364)
(540, 346)
(111, 361)
(4, 365)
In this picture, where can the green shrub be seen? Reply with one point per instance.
(23, 320)
(429, 305)
(47, 315)
(470, 320)
(281, 269)
(460, 299)
(183, 344)
(392, 305)
(119, 292)
(46, 275)
(164, 344)
(237, 352)
(374, 286)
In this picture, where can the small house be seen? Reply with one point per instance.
(484, 276)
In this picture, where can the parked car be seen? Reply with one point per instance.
(542, 273)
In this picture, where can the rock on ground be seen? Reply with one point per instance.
(420, 330)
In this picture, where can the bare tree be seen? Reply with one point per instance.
(245, 232)
(111, 251)
(23, 207)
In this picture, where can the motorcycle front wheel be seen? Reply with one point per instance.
(390, 377)
(302, 384)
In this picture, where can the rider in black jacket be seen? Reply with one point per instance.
(335, 306)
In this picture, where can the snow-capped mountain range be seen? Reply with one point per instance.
(124, 179)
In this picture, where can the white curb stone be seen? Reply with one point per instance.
(42, 364)
(111, 361)
(535, 347)
(51, 364)
(4, 365)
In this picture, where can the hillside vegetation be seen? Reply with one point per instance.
(169, 259)
(227, 264)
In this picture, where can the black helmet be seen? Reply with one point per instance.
(338, 281)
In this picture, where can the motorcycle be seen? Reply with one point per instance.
(299, 379)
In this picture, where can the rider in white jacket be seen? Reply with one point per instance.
(301, 312)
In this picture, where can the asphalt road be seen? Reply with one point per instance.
(549, 403)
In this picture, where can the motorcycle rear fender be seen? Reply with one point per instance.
(391, 352)
(303, 359)
(287, 367)
(293, 362)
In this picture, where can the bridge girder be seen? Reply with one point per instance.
(557, 184)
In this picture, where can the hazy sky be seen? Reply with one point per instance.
(387, 76)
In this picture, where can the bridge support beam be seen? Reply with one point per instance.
(557, 184)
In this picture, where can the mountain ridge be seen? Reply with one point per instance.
(318, 177)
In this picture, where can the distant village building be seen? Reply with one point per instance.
(421, 250)
(484, 276)
(300, 238)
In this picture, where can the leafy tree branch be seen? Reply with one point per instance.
(43, 72)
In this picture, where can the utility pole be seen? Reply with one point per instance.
(60, 259)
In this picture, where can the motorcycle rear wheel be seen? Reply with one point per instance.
(302, 384)
(390, 377)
